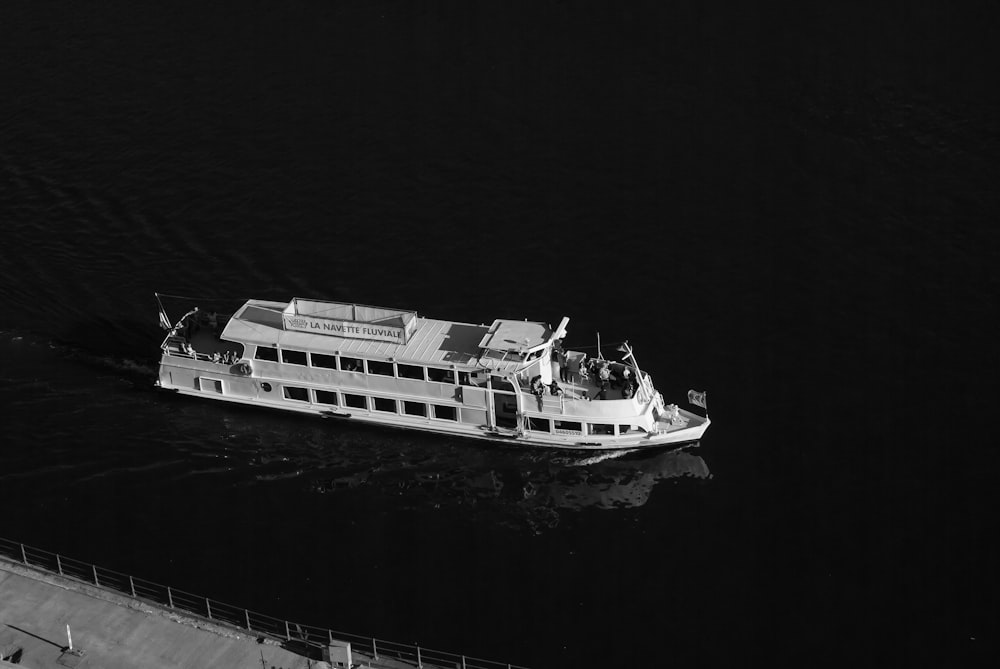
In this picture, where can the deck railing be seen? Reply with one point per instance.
(235, 616)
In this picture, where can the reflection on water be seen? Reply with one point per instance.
(417, 471)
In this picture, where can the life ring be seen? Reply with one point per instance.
(242, 368)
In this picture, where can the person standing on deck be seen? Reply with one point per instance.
(602, 394)
(603, 373)
(556, 363)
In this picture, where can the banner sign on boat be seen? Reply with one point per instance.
(338, 328)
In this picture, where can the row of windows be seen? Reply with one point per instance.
(409, 408)
(370, 403)
(536, 424)
(399, 370)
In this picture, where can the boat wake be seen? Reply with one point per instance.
(600, 457)
(34, 349)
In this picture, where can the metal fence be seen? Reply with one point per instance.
(306, 638)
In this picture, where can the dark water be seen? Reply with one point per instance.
(794, 209)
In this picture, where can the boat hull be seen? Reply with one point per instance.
(691, 433)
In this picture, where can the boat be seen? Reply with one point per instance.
(511, 381)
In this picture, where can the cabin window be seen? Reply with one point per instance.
(410, 371)
(290, 357)
(297, 394)
(266, 353)
(568, 426)
(539, 424)
(473, 416)
(325, 361)
(500, 383)
(444, 412)
(352, 365)
(415, 408)
(384, 404)
(355, 401)
(626, 429)
(440, 375)
(326, 397)
(210, 385)
(472, 379)
(380, 367)
(600, 429)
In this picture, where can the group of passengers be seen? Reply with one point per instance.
(606, 374)
(538, 388)
(225, 357)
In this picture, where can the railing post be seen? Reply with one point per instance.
(463, 662)
(374, 650)
(208, 607)
(249, 629)
(131, 584)
(419, 663)
(288, 633)
(170, 597)
(59, 564)
(24, 557)
(94, 567)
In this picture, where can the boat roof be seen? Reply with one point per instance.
(431, 341)
(515, 336)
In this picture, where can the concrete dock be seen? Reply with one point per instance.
(111, 631)
(114, 631)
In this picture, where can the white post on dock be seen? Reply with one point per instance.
(69, 637)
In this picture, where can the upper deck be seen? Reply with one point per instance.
(420, 341)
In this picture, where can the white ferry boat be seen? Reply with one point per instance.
(511, 381)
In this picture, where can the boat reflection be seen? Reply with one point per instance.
(534, 488)
(427, 472)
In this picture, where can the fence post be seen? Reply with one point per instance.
(170, 597)
(94, 567)
(463, 662)
(24, 557)
(131, 584)
(208, 607)
(419, 663)
(374, 649)
(59, 564)
(288, 634)
(249, 629)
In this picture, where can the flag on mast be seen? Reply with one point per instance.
(698, 398)
(164, 321)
